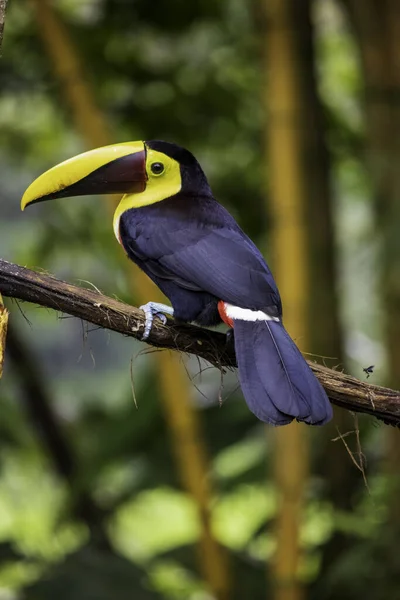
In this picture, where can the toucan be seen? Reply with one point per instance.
(170, 225)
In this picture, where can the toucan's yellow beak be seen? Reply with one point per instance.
(116, 169)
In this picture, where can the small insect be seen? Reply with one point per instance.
(369, 370)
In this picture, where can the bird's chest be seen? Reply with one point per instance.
(137, 236)
(135, 248)
(155, 231)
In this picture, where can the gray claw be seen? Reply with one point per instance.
(151, 310)
(162, 317)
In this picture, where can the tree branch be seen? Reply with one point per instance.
(21, 283)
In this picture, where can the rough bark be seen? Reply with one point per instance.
(23, 284)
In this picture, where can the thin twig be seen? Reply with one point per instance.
(360, 463)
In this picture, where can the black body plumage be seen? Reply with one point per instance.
(196, 253)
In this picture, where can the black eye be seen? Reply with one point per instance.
(157, 168)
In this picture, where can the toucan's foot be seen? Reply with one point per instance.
(154, 309)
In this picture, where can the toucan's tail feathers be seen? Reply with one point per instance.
(277, 383)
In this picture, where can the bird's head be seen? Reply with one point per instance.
(145, 172)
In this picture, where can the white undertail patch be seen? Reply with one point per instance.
(246, 314)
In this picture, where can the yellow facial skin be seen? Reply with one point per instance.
(158, 186)
(74, 169)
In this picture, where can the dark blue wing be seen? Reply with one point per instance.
(200, 246)
(223, 264)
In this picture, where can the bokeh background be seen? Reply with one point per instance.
(292, 107)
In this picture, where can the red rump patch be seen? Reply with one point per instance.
(223, 315)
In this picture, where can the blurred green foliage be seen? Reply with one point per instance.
(190, 72)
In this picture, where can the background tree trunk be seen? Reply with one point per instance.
(3, 311)
(377, 27)
(183, 420)
(38, 405)
(287, 203)
(3, 5)
(326, 339)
